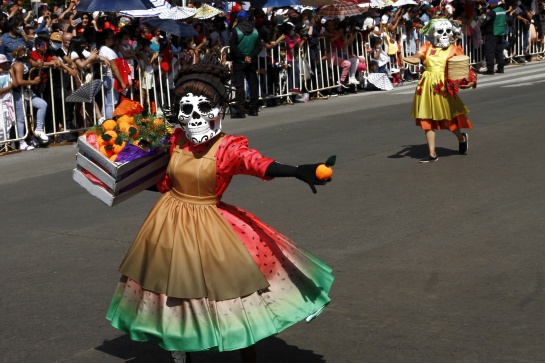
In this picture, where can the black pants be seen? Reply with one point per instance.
(242, 72)
(493, 50)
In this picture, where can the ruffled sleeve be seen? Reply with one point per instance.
(235, 157)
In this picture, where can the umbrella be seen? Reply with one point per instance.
(178, 13)
(380, 81)
(86, 93)
(173, 27)
(206, 12)
(159, 6)
(112, 5)
(262, 4)
(375, 4)
(400, 3)
(316, 3)
(341, 8)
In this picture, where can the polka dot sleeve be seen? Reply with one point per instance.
(235, 157)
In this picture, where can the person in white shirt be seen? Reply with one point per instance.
(105, 42)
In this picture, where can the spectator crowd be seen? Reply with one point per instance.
(48, 52)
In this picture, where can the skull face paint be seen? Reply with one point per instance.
(442, 33)
(198, 118)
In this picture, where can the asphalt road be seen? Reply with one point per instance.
(440, 262)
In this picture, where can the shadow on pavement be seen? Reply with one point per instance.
(420, 151)
(270, 350)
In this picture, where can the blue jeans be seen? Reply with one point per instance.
(111, 97)
(37, 103)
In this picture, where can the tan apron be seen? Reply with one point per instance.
(185, 248)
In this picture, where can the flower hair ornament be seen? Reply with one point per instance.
(439, 31)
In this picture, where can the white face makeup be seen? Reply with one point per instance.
(198, 118)
(442, 33)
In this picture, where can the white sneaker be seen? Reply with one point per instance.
(353, 80)
(41, 135)
(24, 146)
(101, 120)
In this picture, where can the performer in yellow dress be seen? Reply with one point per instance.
(436, 105)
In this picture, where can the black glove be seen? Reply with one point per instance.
(306, 173)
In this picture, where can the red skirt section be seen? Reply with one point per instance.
(458, 122)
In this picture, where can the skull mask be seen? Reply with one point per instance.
(198, 118)
(442, 33)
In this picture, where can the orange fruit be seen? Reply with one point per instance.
(104, 150)
(133, 132)
(109, 137)
(101, 141)
(157, 122)
(109, 125)
(323, 172)
(117, 148)
(125, 118)
(123, 127)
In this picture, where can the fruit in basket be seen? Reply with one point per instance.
(134, 132)
(124, 127)
(157, 122)
(125, 119)
(109, 125)
(107, 151)
(118, 146)
(110, 137)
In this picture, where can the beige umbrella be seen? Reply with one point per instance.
(206, 12)
(178, 13)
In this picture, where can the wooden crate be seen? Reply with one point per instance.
(119, 182)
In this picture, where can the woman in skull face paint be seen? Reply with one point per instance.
(202, 274)
(436, 105)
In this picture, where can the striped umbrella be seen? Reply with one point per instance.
(159, 6)
(206, 12)
(342, 8)
(380, 81)
(178, 13)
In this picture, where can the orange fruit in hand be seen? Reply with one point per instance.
(109, 125)
(323, 172)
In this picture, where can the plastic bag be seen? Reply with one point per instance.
(128, 107)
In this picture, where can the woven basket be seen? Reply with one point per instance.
(458, 67)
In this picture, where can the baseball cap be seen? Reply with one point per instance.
(56, 37)
(3, 59)
(491, 2)
(243, 14)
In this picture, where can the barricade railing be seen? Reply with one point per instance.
(314, 66)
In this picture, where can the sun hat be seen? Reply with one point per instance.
(56, 37)
(3, 59)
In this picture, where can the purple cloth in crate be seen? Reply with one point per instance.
(131, 152)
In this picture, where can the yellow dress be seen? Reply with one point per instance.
(433, 106)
